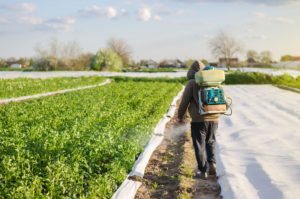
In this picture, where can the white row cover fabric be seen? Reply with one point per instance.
(18, 99)
(128, 188)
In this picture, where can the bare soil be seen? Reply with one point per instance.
(171, 170)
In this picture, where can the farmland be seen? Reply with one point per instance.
(82, 144)
(79, 144)
(26, 86)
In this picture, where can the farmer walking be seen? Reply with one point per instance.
(203, 127)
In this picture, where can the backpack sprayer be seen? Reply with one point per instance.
(211, 95)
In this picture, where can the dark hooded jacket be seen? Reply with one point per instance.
(190, 98)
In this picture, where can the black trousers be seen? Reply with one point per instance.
(204, 142)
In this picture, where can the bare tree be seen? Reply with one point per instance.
(71, 50)
(2, 63)
(120, 47)
(225, 46)
(266, 57)
(252, 54)
(58, 55)
(59, 50)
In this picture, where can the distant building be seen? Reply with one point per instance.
(149, 64)
(231, 61)
(214, 64)
(176, 63)
(16, 66)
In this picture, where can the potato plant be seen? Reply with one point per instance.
(26, 86)
(80, 144)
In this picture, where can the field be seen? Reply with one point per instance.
(151, 70)
(83, 144)
(25, 86)
(260, 78)
(78, 144)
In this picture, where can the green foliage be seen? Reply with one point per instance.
(52, 63)
(290, 58)
(26, 86)
(247, 78)
(232, 77)
(80, 144)
(188, 63)
(3, 63)
(45, 64)
(107, 59)
(16, 69)
(287, 80)
(285, 58)
(180, 80)
(204, 61)
(151, 70)
(260, 78)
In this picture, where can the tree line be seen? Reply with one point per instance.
(116, 55)
(57, 55)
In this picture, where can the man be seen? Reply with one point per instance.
(203, 127)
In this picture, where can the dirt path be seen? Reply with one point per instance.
(171, 170)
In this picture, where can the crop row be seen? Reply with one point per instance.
(26, 86)
(260, 78)
(80, 144)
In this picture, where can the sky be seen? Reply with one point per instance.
(154, 29)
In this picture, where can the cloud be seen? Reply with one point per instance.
(164, 10)
(259, 36)
(144, 14)
(62, 24)
(98, 11)
(30, 20)
(262, 17)
(111, 12)
(20, 7)
(157, 18)
(284, 20)
(123, 12)
(207, 36)
(3, 20)
(171, 12)
(264, 2)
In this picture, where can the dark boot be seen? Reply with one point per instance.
(212, 169)
(202, 175)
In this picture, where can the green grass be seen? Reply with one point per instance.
(247, 78)
(232, 77)
(260, 78)
(16, 69)
(181, 80)
(80, 144)
(151, 70)
(26, 86)
(287, 80)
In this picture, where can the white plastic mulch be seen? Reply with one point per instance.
(18, 74)
(270, 71)
(258, 147)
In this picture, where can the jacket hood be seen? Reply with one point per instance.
(194, 68)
